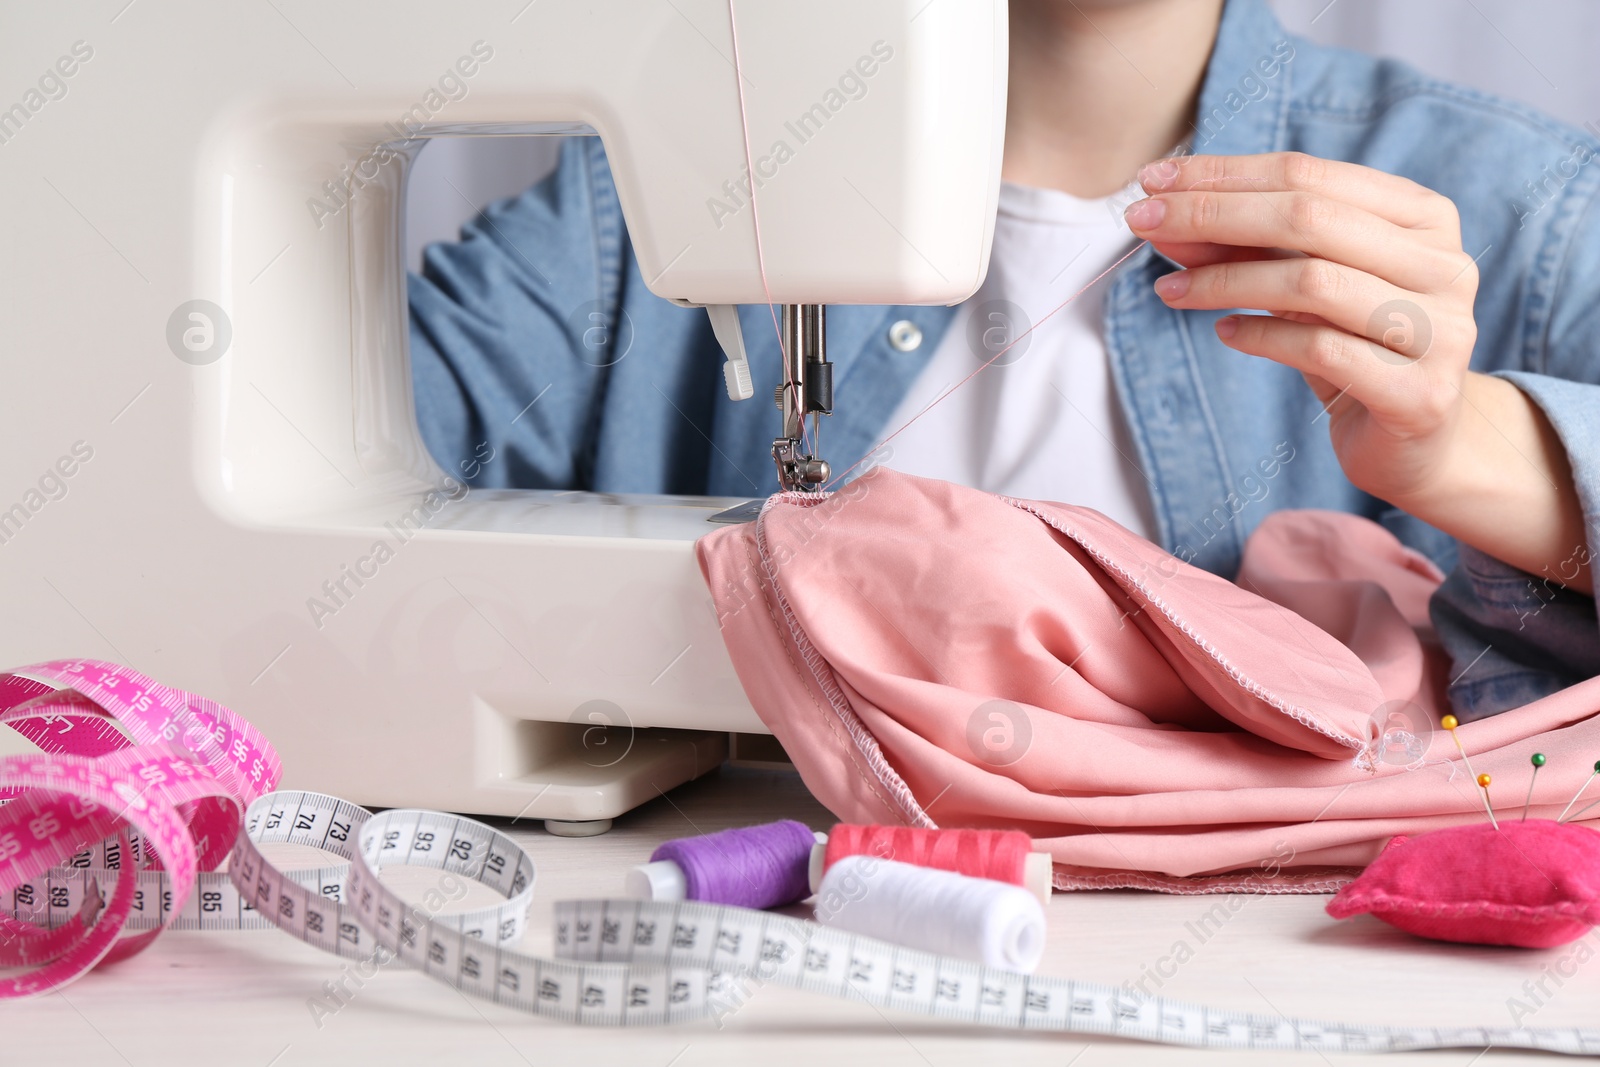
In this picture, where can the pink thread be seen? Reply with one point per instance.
(938, 399)
(755, 217)
(1091, 284)
(761, 264)
(995, 854)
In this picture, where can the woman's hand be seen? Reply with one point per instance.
(1369, 291)
(1370, 296)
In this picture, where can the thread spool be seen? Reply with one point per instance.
(949, 914)
(1002, 855)
(752, 867)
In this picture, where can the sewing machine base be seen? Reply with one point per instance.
(591, 788)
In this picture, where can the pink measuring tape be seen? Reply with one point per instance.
(148, 790)
(170, 800)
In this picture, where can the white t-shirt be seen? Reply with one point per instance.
(1042, 421)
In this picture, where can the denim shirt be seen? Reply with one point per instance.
(508, 363)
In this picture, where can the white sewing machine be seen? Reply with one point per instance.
(207, 423)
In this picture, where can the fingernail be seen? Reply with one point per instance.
(1158, 175)
(1172, 286)
(1145, 214)
(1227, 326)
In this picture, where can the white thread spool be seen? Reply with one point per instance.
(977, 919)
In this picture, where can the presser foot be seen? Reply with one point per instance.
(797, 472)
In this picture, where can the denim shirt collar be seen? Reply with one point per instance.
(1243, 107)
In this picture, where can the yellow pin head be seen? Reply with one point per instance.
(1483, 780)
(1449, 722)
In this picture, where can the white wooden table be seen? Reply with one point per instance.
(242, 998)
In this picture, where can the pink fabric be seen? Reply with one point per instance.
(1535, 884)
(931, 655)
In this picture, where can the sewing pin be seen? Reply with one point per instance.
(1579, 813)
(1450, 722)
(1483, 783)
(1563, 816)
(1537, 759)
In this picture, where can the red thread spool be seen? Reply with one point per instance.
(1001, 855)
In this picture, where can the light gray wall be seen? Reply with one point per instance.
(1543, 52)
(454, 177)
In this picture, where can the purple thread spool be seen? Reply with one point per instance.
(753, 867)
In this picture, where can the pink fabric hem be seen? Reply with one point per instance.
(1363, 755)
(822, 675)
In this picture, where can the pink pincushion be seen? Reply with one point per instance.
(1535, 884)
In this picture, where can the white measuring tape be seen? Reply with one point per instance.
(636, 963)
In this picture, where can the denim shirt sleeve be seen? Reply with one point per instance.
(504, 394)
(1513, 636)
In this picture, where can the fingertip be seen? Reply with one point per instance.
(1227, 326)
(1145, 214)
(1159, 175)
(1173, 286)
